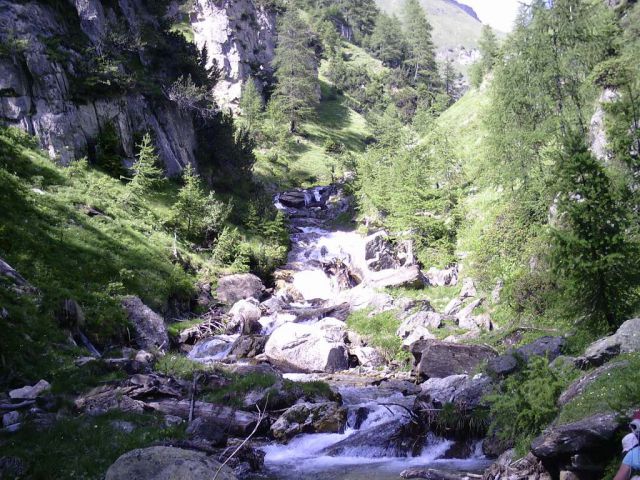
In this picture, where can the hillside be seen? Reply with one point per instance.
(455, 30)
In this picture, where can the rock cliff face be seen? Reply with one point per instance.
(240, 36)
(36, 85)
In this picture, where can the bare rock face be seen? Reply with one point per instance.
(166, 463)
(149, 327)
(298, 347)
(38, 97)
(327, 417)
(436, 359)
(240, 38)
(232, 288)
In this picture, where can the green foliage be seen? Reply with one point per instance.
(312, 389)
(526, 403)
(421, 58)
(295, 67)
(145, 170)
(380, 331)
(85, 446)
(197, 215)
(238, 386)
(488, 46)
(594, 254)
(251, 106)
(387, 41)
(179, 366)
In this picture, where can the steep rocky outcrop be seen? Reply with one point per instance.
(38, 84)
(240, 38)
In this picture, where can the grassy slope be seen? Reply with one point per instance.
(308, 163)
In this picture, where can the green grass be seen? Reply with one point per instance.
(233, 393)
(380, 331)
(617, 390)
(179, 366)
(83, 447)
(438, 297)
(358, 57)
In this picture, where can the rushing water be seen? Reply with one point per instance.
(361, 452)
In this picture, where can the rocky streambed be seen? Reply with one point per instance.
(317, 400)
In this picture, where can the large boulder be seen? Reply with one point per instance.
(549, 347)
(468, 289)
(379, 252)
(294, 199)
(436, 359)
(625, 340)
(465, 318)
(232, 288)
(368, 357)
(30, 392)
(309, 348)
(166, 463)
(457, 389)
(417, 334)
(149, 328)
(453, 307)
(562, 447)
(245, 317)
(408, 277)
(427, 320)
(326, 417)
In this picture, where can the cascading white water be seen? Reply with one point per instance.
(374, 413)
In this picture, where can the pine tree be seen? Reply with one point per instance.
(387, 42)
(488, 46)
(421, 59)
(189, 208)
(251, 106)
(295, 70)
(361, 15)
(145, 170)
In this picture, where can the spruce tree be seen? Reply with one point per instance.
(145, 170)
(421, 60)
(295, 70)
(188, 210)
(251, 106)
(387, 42)
(594, 255)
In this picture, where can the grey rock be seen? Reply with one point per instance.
(328, 417)
(149, 328)
(442, 278)
(294, 199)
(10, 418)
(309, 348)
(590, 434)
(549, 347)
(232, 288)
(368, 356)
(497, 290)
(457, 389)
(417, 334)
(468, 289)
(383, 440)
(17, 281)
(436, 359)
(427, 320)
(625, 340)
(200, 428)
(30, 392)
(404, 304)
(379, 252)
(409, 277)
(248, 346)
(166, 463)
(453, 307)
(245, 317)
(465, 318)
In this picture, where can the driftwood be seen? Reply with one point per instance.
(208, 328)
(235, 422)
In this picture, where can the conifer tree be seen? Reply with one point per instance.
(387, 42)
(488, 46)
(189, 208)
(421, 59)
(295, 70)
(251, 106)
(145, 170)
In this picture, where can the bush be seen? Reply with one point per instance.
(525, 403)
